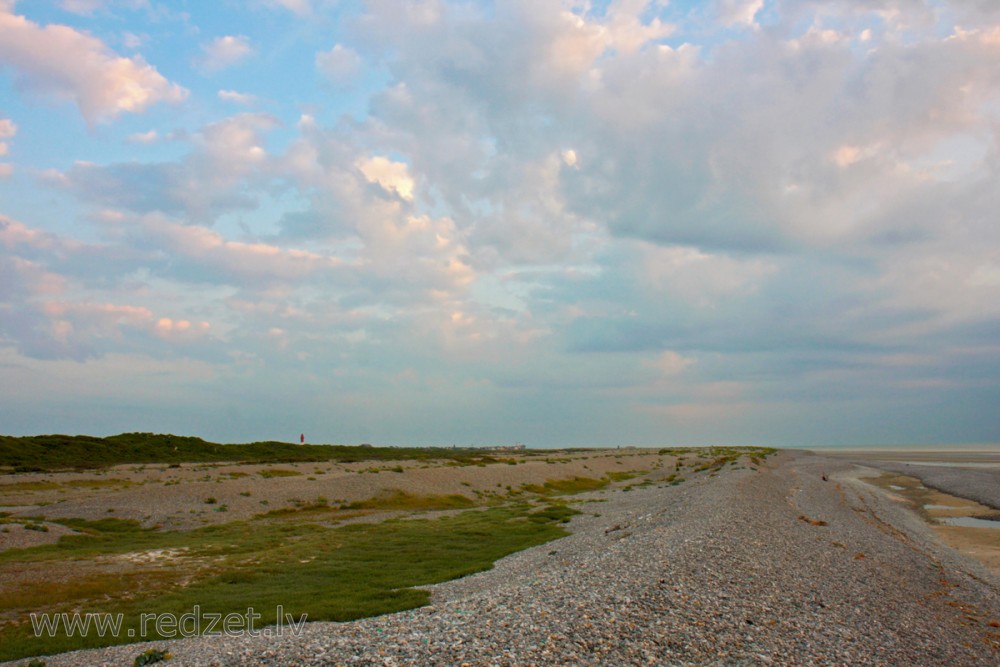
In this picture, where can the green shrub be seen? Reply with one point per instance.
(151, 656)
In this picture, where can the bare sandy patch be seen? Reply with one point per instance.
(186, 496)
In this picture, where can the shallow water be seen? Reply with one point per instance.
(955, 464)
(969, 522)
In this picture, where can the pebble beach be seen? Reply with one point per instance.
(775, 566)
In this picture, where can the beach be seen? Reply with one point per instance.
(802, 560)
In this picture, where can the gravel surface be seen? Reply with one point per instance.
(769, 567)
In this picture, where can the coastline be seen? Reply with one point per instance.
(775, 565)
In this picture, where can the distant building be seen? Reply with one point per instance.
(508, 448)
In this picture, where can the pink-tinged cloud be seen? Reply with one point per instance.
(22, 277)
(7, 130)
(78, 324)
(14, 234)
(235, 260)
(171, 329)
(59, 62)
(98, 315)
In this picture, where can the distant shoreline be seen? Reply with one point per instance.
(917, 450)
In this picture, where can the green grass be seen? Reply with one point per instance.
(40, 453)
(400, 500)
(338, 574)
(278, 472)
(621, 476)
(97, 483)
(710, 452)
(557, 487)
(109, 526)
(20, 487)
(17, 487)
(557, 513)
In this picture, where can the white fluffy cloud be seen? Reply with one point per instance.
(392, 176)
(59, 62)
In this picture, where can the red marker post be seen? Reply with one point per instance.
(302, 438)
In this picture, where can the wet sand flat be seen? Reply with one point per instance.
(980, 541)
(972, 474)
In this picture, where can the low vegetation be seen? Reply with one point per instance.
(41, 453)
(400, 500)
(150, 657)
(556, 487)
(330, 573)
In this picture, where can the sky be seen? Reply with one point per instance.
(552, 222)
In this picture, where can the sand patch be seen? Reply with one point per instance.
(153, 556)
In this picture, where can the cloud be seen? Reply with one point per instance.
(392, 176)
(7, 128)
(587, 219)
(735, 12)
(39, 317)
(298, 7)
(88, 7)
(237, 98)
(223, 52)
(217, 175)
(148, 137)
(669, 364)
(202, 255)
(7, 131)
(130, 40)
(340, 64)
(58, 62)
